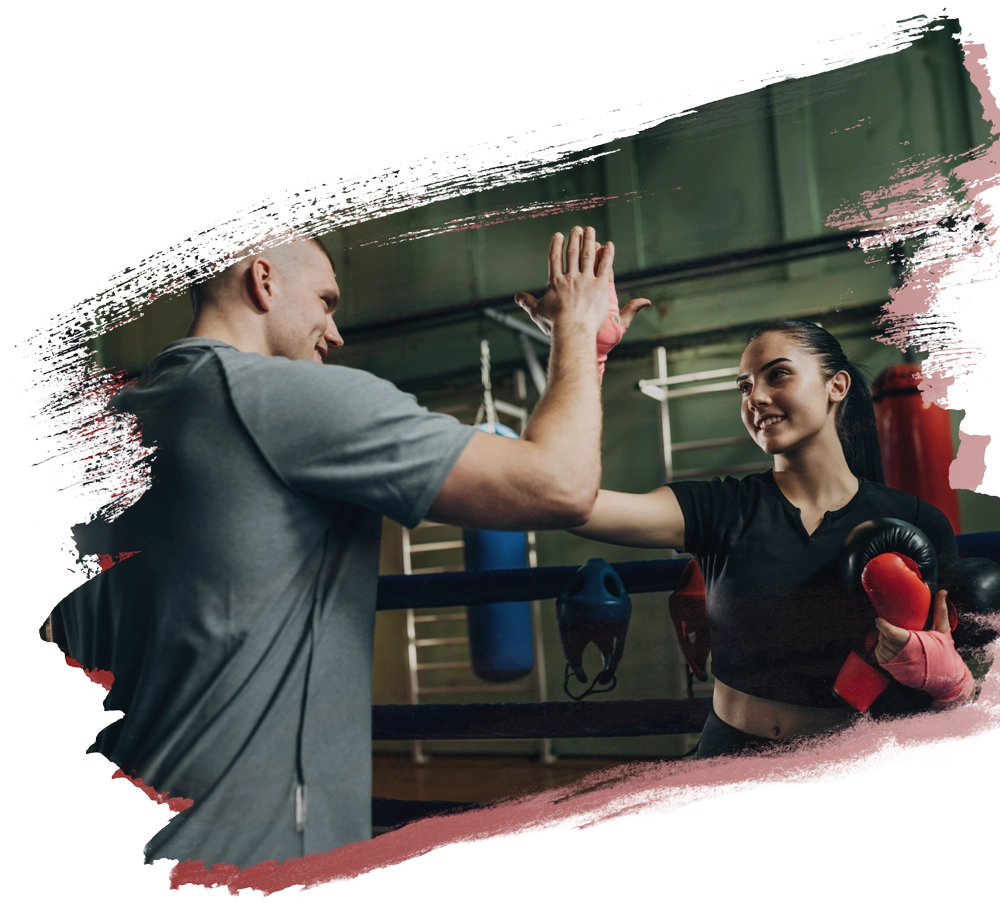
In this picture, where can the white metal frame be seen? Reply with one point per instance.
(414, 642)
(661, 390)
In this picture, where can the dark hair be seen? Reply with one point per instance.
(856, 413)
(214, 247)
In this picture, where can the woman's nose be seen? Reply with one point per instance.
(758, 396)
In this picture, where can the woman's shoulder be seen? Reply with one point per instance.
(889, 502)
(880, 494)
(728, 496)
(729, 486)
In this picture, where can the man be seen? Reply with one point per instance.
(240, 635)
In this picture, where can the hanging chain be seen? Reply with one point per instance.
(486, 408)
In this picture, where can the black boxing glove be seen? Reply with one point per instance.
(887, 534)
(973, 586)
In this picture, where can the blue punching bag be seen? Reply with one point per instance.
(500, 635)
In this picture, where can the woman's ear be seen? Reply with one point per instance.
(840, 385)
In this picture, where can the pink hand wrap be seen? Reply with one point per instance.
(930, 663)
(611, 332)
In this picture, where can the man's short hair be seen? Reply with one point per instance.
(216, 246)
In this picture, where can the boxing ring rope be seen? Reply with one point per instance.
(527, 584)
(536, 720)
(523, 720)
(512, 584)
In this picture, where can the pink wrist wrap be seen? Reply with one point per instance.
(930, 663)
(611, 332)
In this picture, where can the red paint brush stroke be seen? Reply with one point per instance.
(954, 227)
(175, 803)
(908, 206)
(610, 794)
(103, 445)
(950, 363)
(106, 679)
(109, 561)
(98, 676)
(968, 470)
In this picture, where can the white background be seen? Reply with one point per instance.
(129, 127)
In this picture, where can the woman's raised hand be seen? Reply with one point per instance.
(625, 315)
(617, 322)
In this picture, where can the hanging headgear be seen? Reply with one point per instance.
(593, 608)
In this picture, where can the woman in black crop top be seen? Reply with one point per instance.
(769, 544)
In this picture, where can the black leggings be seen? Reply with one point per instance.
(721, 739)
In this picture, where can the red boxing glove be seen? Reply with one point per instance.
(930, 663)
(611, 332)
(900, 596)
(690, 618)
(897, 591)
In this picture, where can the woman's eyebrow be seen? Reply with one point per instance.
(777, 360)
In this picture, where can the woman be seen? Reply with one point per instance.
(769, 544)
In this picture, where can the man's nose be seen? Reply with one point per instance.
(332, 335)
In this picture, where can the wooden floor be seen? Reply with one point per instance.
(475, 778)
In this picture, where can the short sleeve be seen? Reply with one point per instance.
(708, 508)
(938, 529)
(340, 434)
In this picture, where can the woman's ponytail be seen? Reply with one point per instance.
(856, 428)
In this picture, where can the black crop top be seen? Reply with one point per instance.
(781, 623)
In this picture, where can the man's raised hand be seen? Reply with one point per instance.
(577, 292)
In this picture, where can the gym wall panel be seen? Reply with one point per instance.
(382, 277)
(710, 193)
(694, 306)
(743, 172)
(908, 108)
(513, 256)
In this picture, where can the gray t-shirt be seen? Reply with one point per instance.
(240, 637)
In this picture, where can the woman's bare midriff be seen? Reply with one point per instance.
(774, 720)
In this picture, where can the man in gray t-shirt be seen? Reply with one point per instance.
(240, 635)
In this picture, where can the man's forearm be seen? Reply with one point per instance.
(566, 424)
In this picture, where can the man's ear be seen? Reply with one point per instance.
(260, 283)
(840, 384)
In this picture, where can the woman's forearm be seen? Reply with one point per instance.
(651, 520)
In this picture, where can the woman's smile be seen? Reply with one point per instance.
(768, 422)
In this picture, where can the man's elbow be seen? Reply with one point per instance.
(574, 505)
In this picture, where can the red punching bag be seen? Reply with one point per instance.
(915, 436)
